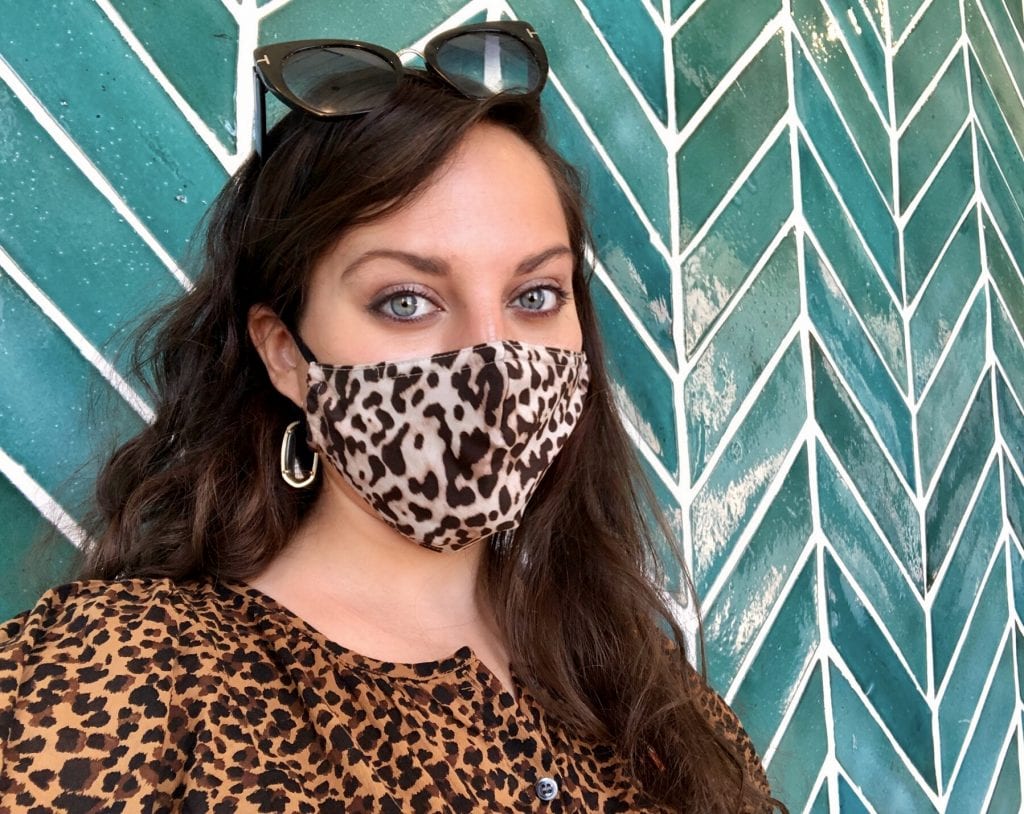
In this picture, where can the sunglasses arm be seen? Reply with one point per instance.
(259, 125)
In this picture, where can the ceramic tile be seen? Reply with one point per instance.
(31, 566)
(739, 613)
(621, 240)
(943, 300)
(1008, 350)
(1009, 42)
(769, 687)
(860, 642)
(739, 353)
(676, 519)
(845, 253)
(981, 761)
(1006, 794)
(1011, 420)
(64, 234)
(709, 45)
(986, 51)
(196, 47)
(802, 749)
(932, 131)
(866, 755)
(739, 236)
(993, 125)
(885, 496)
(1004, 208)
(606, 102)
(901, 12)
(723, 507)
(634, 37)
(858, 362)
(926, 46)
(937, 213)
(1014, 503)
(714, 156)
(847, 169)
(820, 805)
(642, 390)
(1007, 279)
(963, 692)
(679, 6)
(942, 407)
(354, 20)
(959, 476)
(865, 48)
(38, 414)
(849, 802)
(835, 65)
(954, 598)
(1016, 567)
(114, 109)
(864, 555)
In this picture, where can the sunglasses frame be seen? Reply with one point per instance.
(268, 73)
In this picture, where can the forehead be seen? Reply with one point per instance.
(494, 199)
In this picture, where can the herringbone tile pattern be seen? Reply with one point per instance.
(809, 253)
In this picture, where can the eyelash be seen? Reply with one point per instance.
(377, 306)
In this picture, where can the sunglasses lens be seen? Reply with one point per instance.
(482, 64)
(339, 80)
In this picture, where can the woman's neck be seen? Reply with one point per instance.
(364, 585)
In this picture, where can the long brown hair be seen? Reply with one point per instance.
(198, 491)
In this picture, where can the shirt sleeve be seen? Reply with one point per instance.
(86, 692)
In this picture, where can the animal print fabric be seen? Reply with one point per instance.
(147, 695)
(448, 449)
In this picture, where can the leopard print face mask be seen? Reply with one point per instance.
(448, 449)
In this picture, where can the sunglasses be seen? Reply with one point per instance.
(332, 79)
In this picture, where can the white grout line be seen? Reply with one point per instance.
(43, 502)
(799, 688)
(223, 155)
(845, 297)
(746, 664)
(837, 109)
(911, 25)
(979, 706)
(868, 607)
(725, 84)
(929, 89)
(957, 539)
(764, 505)
(87, 168)
(653, 234)
(980, 131)
(1002, 115)
(915, 302)
(954, 659)
(857, 791)
(1011, 735)
(854, 490)
(76, 337)
(652, 118)
(907, 215)
(999, 49)
(854, 225)
(841, 665)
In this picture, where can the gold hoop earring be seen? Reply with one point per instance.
(292, 472)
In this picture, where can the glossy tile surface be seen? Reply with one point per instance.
(808, 236)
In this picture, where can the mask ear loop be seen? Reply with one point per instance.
(307, 354)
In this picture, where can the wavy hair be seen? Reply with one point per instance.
(579, 597)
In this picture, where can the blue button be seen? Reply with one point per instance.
(547, 788)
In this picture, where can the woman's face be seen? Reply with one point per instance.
(481, 255)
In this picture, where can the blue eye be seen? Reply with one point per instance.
(536, 299)
(403, 305)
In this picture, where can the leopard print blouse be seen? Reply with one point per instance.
(205, 696)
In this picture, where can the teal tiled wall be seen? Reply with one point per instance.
(810, 263)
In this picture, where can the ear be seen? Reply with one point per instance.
(285, 365)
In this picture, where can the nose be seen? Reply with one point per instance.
(482, 323)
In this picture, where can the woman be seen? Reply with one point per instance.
(445, 598)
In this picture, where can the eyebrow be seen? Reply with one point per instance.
(438, 267)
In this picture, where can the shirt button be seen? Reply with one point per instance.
(547, 789)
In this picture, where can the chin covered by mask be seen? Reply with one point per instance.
(447, 449)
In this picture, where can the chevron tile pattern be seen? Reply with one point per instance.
(808, 224)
